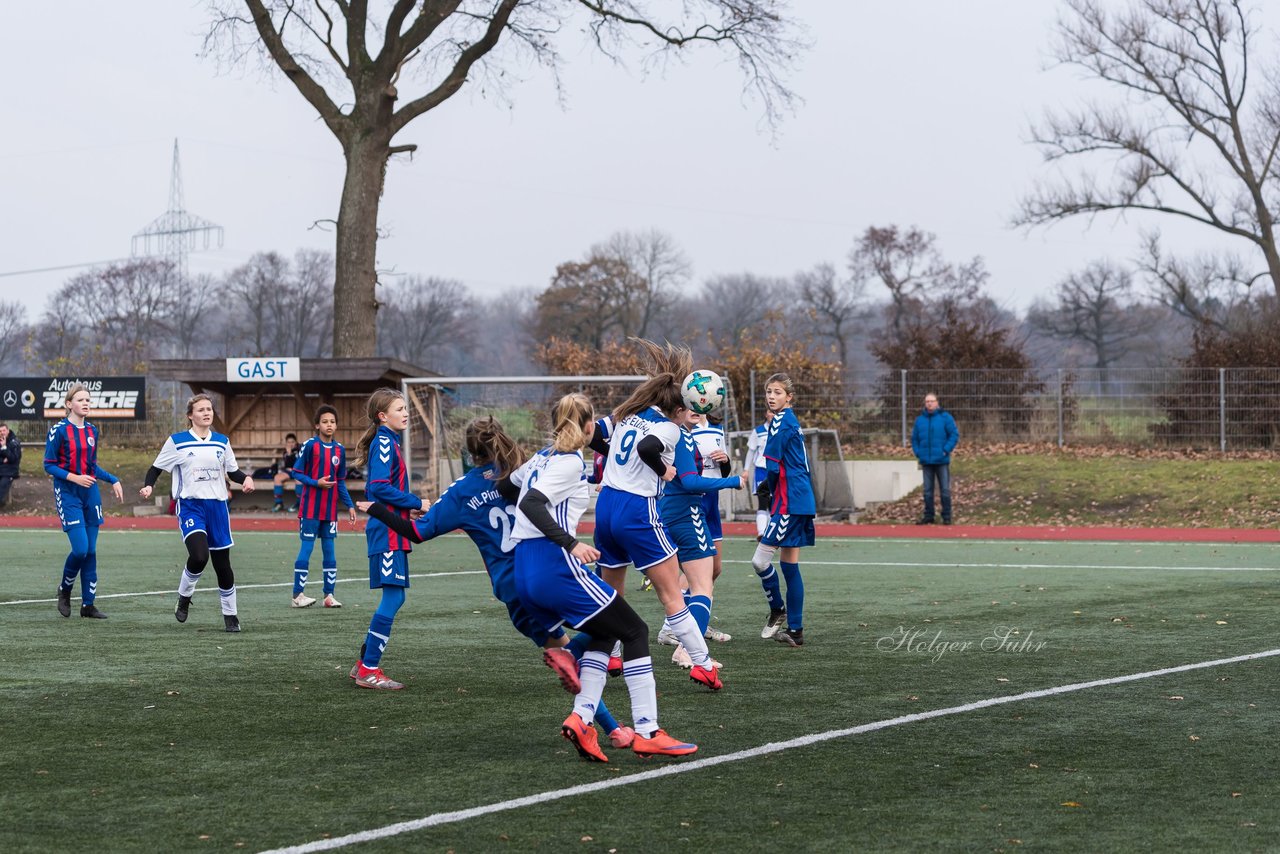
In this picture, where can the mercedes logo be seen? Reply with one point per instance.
(10, 398)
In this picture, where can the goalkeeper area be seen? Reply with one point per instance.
(441, 407)
(965, 694)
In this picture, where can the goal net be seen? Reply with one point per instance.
(831, 476)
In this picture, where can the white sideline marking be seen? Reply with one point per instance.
(763, 750)
(174, 590)
(935, 565)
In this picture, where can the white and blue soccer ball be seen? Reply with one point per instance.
(703, 391)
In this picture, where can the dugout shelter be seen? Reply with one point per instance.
(255, 414)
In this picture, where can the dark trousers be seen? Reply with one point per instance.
(942, 473)
(5, 482)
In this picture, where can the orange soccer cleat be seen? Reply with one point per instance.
(583, 737)
(661, 744)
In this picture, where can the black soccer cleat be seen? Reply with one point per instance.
(791, 637)
(184, 605)
(64, 602)
(92, 611)
(232, 622)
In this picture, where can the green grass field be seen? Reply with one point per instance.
(141, 734)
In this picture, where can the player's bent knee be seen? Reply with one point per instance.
(761, 560)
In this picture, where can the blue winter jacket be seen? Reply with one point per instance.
(933, 437)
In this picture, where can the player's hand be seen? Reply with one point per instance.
(325, 483)
(118, 491)
(670, 474)
(585, 553)
(746, 481)
(247, 486)
(718, 456)
(364, 506)
(145, 492)
(415, 515)
(351, 514)
(85, 480)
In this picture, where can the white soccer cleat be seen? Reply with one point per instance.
(330, 602)
(302, 600)
(681, 657)
(714, 634)
(666, 637)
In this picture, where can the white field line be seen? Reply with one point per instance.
(935, 565)
(763, 750)
(173, 590)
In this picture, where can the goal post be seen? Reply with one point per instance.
(829, 474)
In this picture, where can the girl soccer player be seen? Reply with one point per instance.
(481, 503)
(201, 461)
(387, 483)
(557, 588)
(683, 506)
(71, 459)
(709, 435)
(759, 467)
(791, 514)
(640, 439)
(321, 473)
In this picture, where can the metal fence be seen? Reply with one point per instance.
(1224, 409)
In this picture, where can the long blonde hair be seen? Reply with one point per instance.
(379, 401)
(668, 366)
(486, 441)
(569, 419)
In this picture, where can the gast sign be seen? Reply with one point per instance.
(264, 369)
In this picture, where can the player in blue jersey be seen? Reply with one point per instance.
(684, 511)
(482, 504)
(557, 588)
(387, 482)
(71, 459)
(758, 466)
(640, 439)
(200, 461)
(791, 515)
(321, 473)
(709, 434)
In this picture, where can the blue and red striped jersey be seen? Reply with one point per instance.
(387, 482)
(73, 450)
(784, 451)
(317, 460)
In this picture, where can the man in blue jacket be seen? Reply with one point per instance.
(933, 438)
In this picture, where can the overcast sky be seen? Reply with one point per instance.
(915, 112)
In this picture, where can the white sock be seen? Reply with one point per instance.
(228, 601)
(686, 629)
(187, 584)
(762, 522)
(638, 674)
(593, 672)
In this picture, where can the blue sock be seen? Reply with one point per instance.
(277, 491)
(329, 563)
(578, 644)
(302, 566)
(700, 609)
(380, 625)
(772, 588)
(89, 571)
(75, 560)
(795, 595)
(607, 721)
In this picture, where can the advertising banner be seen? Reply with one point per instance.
(44, 398)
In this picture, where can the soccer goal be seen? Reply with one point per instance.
(831, 476)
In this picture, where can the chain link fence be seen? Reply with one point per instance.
(1225, 409)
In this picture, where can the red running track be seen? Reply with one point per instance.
(288, 522)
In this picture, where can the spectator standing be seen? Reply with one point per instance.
(933, 438)
(10, 456)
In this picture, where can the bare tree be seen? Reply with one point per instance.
(13, 334)
(1093, 307)
(834, 306)
(1190, 139)
(590, 302)
(659, 262)
(735, 304)
(324, 49)
(426, 321)
(195, 326)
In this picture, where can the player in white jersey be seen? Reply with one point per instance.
(557, 588)
(759, 466)
(200, 462)
(640, 440)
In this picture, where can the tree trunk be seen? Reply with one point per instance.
(355, 304)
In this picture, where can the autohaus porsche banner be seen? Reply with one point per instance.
(44, 398)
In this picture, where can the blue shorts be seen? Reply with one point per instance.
(687, 522)
(555, 587)
(629, 529)
(389, 569)
(711, 507)
(788, 531)
(208, 515)
(309, 529)
(77, 505)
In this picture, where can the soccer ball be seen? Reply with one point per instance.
(703, 391)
